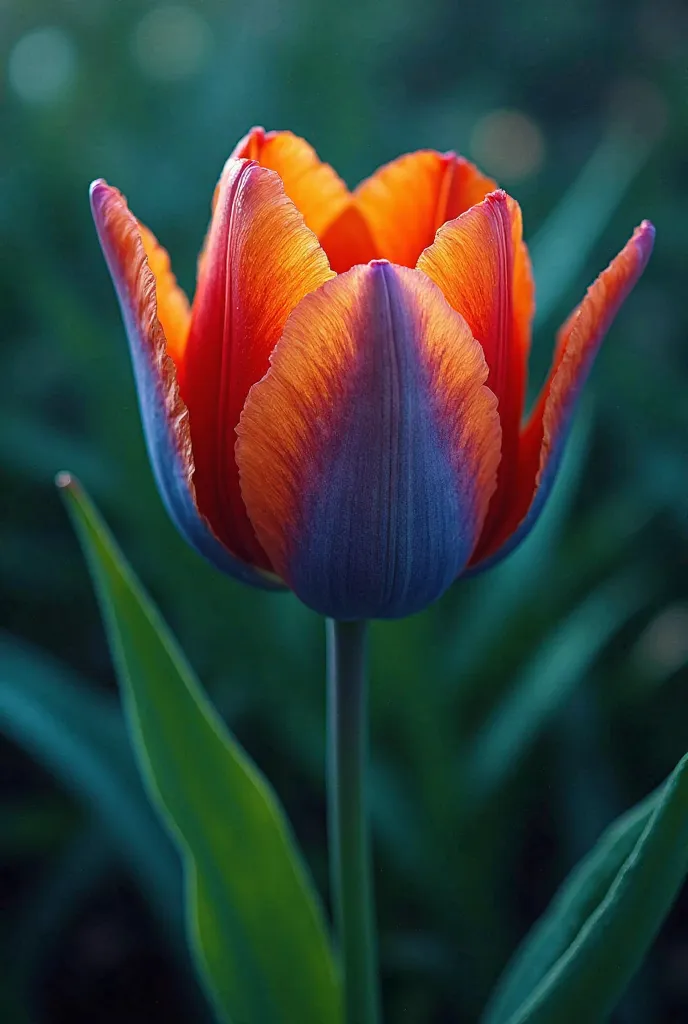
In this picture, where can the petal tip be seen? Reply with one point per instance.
(98, 191)
(644, 237)
(498, 197)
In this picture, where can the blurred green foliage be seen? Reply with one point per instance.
(512, 722)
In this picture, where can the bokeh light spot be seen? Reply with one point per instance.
(663, 647)
(171, 42)
(42, 66)
(508, 144)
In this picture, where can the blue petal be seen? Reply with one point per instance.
(368, 453)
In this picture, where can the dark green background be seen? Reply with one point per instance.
(511, 722)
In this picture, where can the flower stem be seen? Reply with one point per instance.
(349, 841)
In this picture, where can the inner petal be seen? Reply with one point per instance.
(315, 188)
(392, 215)
(172, 304)
(406, 201)
(317, 191)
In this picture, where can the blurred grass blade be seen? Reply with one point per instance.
(500, 593)
(58, 897)
(78, 735)
(562, 246)
(556, 669)
(577, 961)
(255, 922)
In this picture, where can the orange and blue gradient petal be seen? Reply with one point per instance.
(260, 261)
(368, 453)
(544, 436)
(341, 407)
(147, 304)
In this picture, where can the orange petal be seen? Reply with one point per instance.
(482, 266)
(368, 453)
(406, 201)
(128, 248)
(173, 306)
(544, 436)
(260, 261)
(315, 189)
(348, 241)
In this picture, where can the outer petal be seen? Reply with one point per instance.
(164, 415)
(544, 436)
(406, 201)
(481, 264)
(369, 451)
(260, 262)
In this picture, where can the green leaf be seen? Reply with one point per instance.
(255, 923)
(578, 959)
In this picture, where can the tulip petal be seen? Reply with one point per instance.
(315, 189)
(368, 453)
(482, 266)
(260, 262)
(146, 303)
(173, 309)
(406, 201)
(348, 240)
(544, 436)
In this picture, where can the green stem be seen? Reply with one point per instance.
(348, 825)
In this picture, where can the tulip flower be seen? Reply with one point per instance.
(341, 409)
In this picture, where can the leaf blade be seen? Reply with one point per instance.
(603, 920)
(257, 927)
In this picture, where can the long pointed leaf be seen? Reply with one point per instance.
(578, 959)
(256, 924)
